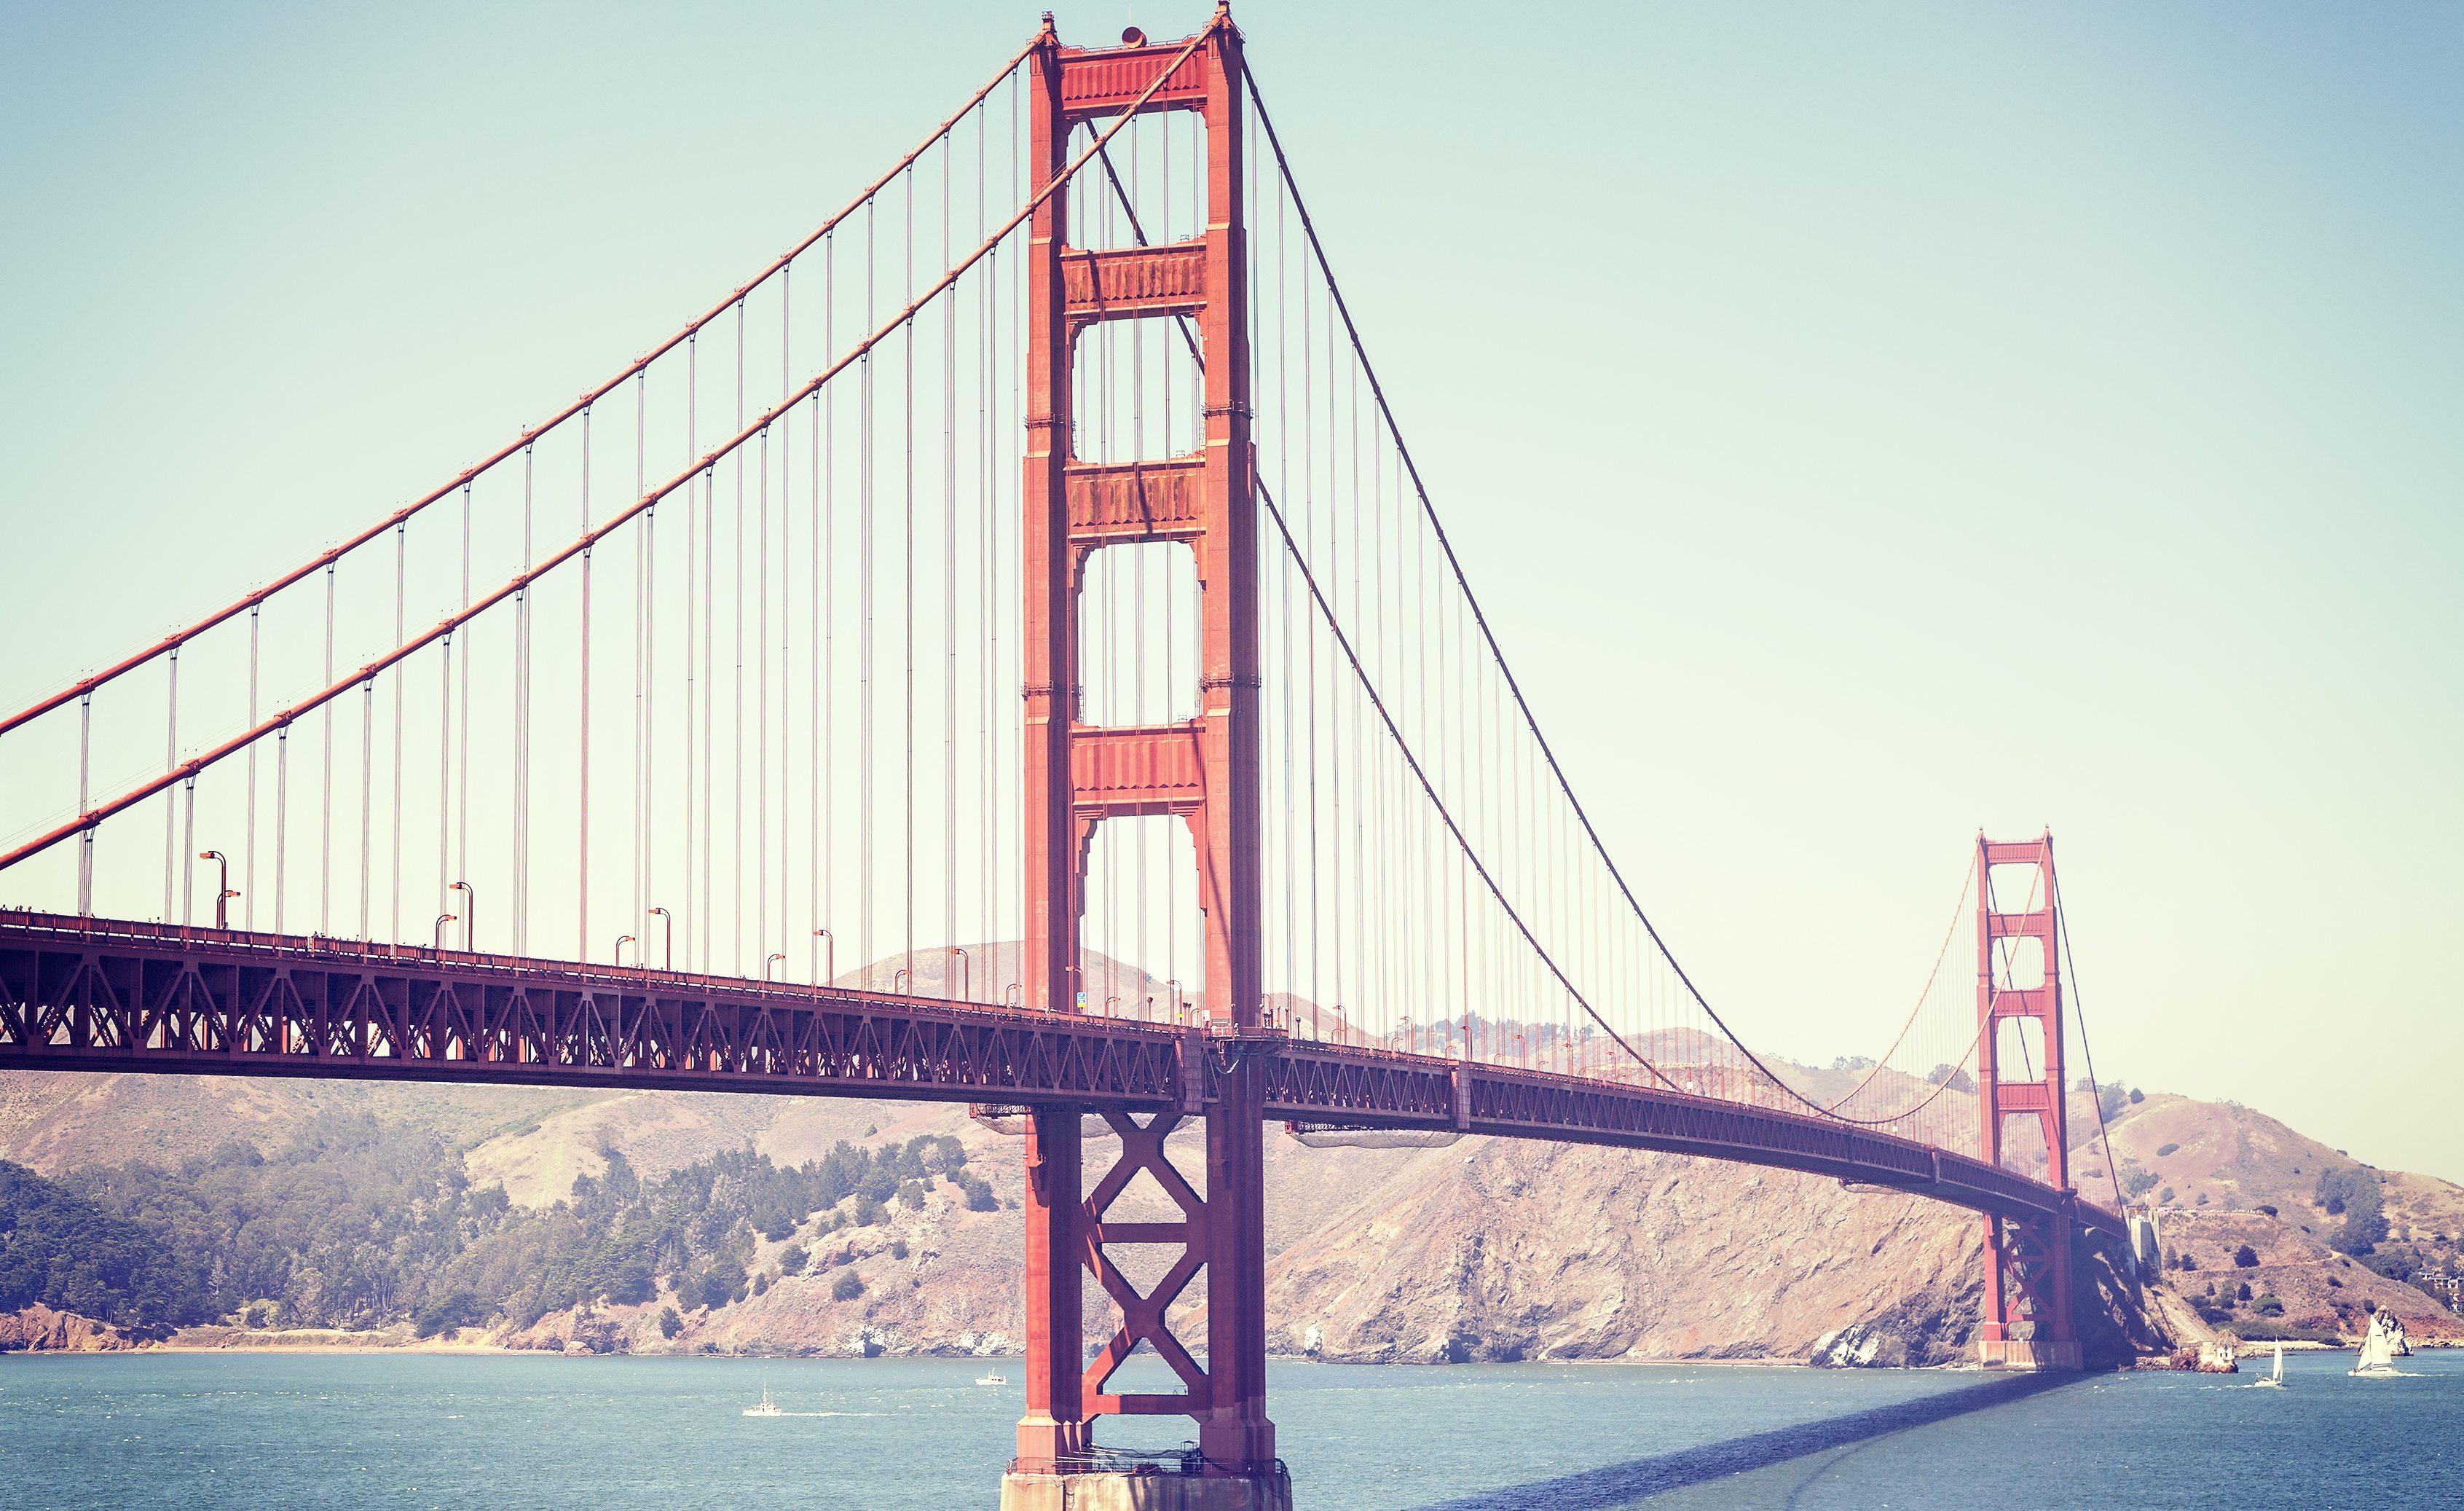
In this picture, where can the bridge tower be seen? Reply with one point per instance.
(1203, 772)
(2028, 1318)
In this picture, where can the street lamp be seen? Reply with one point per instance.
(470, 911)
(223, 893)
(1108, 1006)
(1014, 996)
(829, 958)
(623, 940)
(897, 977)
(1178, 1014)
(967, 974)
(442, 919)
(669, 938)
(765, 965)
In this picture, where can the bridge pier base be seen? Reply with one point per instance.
(2046, 1355)
(1120, 1490)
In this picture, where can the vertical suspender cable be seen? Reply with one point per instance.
(824, 617)
(906, 485)
(170, 762)
(325, 796)
(949, 585)
(368, 795)
(582, 799)
(462, 759)
(248, 862)
(761, 711)
(987, 669)
(187, 848)
(400, 632)
(692, 637)
(642, 654)
(865, 881)
(444, 771)
(736, 697)
(786, 613)
(281, 817)
(85, 766)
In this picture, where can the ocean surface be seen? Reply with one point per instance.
(431, 1430)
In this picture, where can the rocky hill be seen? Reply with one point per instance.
(1480, 1249)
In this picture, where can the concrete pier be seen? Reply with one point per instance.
(1115, 1490)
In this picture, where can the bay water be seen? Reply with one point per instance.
(151, 1429)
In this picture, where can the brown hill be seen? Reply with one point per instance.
(1479, 1250)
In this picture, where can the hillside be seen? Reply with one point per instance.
(1482, 1249)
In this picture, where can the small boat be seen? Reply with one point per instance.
(2382, 1345)
(994, 1378)
(768, 1408)
(2275, 1381)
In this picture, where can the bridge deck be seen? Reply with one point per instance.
(106, 995)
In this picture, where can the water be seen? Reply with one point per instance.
(430, 1429)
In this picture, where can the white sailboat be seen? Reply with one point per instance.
(2382, 1345)
(2276, 1380)
(768, 1408)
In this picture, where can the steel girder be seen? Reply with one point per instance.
(91, 994)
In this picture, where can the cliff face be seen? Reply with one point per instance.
(39, 1329)
(1494, 1250)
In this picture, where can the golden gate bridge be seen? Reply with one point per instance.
(1023, 587)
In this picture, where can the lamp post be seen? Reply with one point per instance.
(469, 915)
(442, 919)
(623, 940)
(1178, 1007)
(223, 893)
(1014, 996)
(766, 961)
(1108, 1006)
(898, 979)
(669, 937)
(967, 974)
(829, 958)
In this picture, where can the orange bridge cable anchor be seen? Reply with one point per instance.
(521, 583)
(403, 515)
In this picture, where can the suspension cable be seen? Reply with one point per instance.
(403, 515)
(1487, 635)
(521, 583)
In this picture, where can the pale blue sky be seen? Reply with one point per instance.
(1865, 424)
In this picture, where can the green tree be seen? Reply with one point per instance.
(669, 1324)
(846, 1287)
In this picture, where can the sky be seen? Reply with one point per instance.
(1867, 425)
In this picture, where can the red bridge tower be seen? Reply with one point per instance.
(1204, 770)
(2027, 1261)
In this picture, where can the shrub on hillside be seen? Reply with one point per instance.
(460, 1309)
(846, 1287)
(2245, 1257)
(669, 1324)
(793, 1258)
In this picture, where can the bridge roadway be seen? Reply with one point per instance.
(96, 994)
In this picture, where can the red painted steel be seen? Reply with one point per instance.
(2028, 1315)
(1203, 772)
(80, 993)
